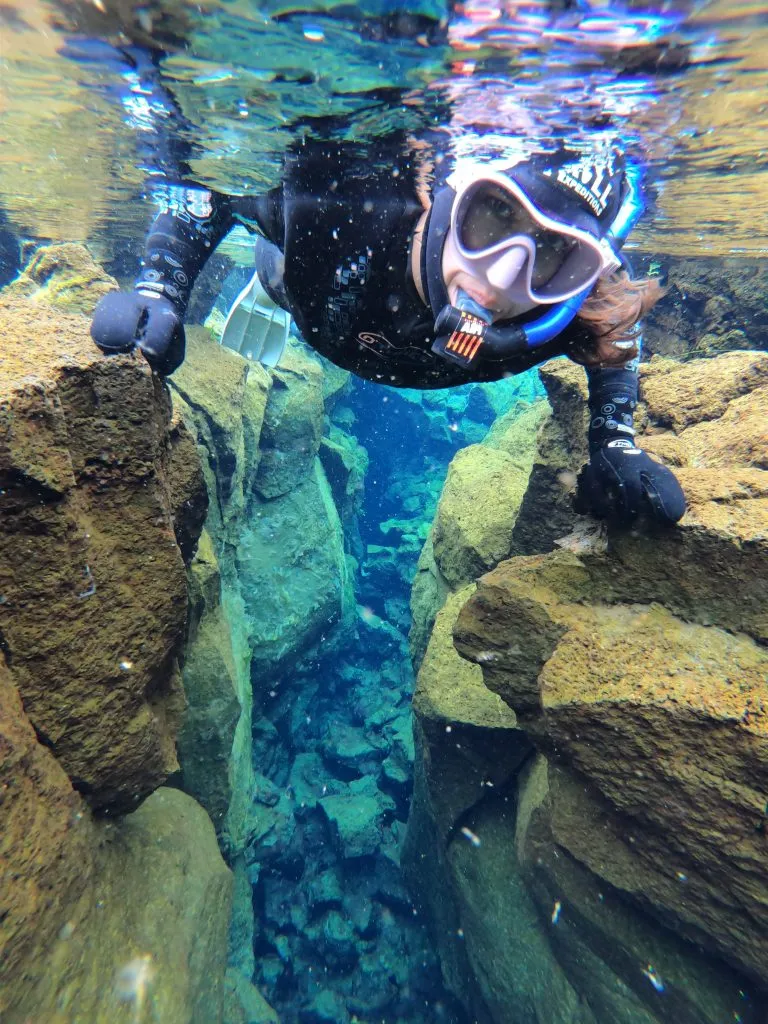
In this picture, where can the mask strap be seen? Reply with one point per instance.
(436, 231)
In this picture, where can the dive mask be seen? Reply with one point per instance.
(499, 235)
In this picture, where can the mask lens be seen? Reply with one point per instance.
(489, 216)
(552, 250)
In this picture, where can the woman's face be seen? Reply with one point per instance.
(493, 299)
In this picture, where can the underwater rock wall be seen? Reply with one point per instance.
(256, 505)
(474, 523)
(270, 574)
(102, 498)
(713, 305)
(592, 773)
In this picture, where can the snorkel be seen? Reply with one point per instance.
(465, 330)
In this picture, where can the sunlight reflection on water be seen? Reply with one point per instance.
(685, 89)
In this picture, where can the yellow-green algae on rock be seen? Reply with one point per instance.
(65, 276)
(634, 845)
(475, 519)
(148, 939)
(91, 575)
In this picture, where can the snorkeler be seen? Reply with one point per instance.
(505, 268)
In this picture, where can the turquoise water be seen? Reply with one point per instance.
(339, 917)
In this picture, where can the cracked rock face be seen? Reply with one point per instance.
(88, 548)
(101, 504)
(635, 663)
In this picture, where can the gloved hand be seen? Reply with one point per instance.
(125, 320)
(621, 481)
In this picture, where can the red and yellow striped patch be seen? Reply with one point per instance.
(464, 344)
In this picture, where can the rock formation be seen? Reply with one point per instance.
(476, 516)
(231, 503)
(612, 807)
(121, 915)
(587, 836)
(269, 574)
(65, 276)
(89, 546)
(713, 305)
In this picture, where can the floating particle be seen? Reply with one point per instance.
(681, 877)
(653, 977)
(470, 835)
(556, 911)
(126, 665)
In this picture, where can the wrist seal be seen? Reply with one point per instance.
(612, 403)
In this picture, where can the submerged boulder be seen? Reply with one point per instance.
(149, 936)
(94, 594)
(64, 275)
(631, 849)
(355, 823)
(476, 515)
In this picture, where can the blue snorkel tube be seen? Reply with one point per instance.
(464, 329)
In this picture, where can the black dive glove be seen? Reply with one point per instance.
(191, 223)
(151, 322)
(621, 481)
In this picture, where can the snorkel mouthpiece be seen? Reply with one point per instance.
(461, 330)
(466, 327)
(466, 304)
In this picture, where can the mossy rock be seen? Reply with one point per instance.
(150, 935)
(65, 276)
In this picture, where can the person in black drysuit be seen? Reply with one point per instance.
(496, 272)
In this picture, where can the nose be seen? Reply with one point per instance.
(503, 271)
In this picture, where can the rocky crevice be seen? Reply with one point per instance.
(634, 662)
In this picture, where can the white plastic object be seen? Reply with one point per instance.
(255, 327)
